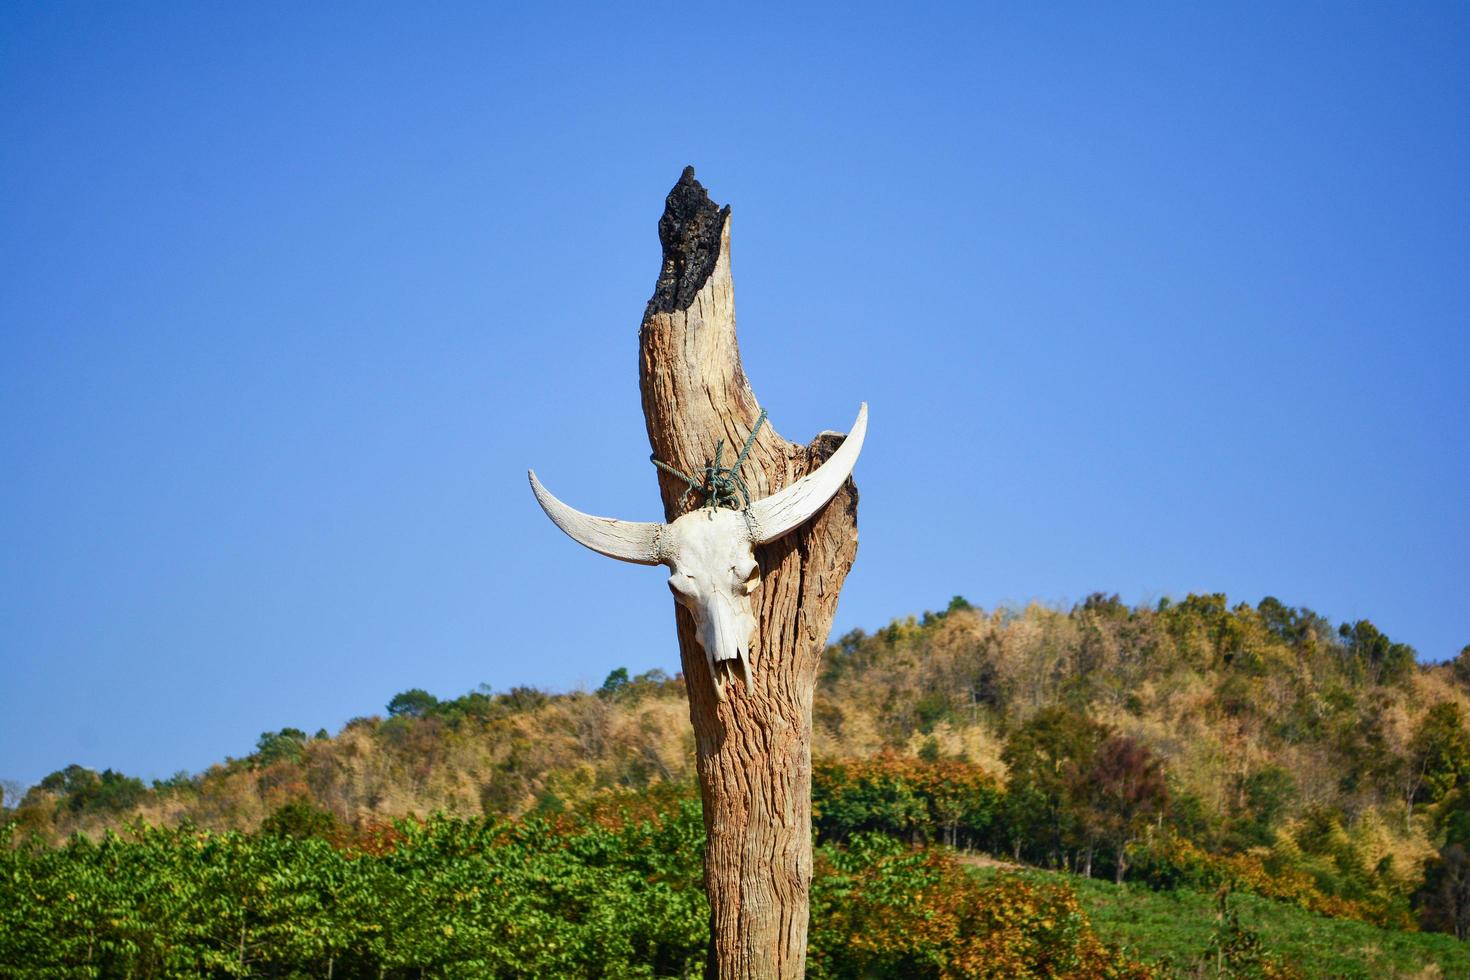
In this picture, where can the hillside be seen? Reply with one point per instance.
(614, 890)
(1177, 930)
(1187, 744)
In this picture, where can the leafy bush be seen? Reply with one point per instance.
(84, 791)
(879, 910)
(1167, 861)
(452, 898)
(300, 819)
(1235, 951)
(612, 891)
(272, 747)
(946, 801)
(415, 702)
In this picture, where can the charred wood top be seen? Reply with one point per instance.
(689, 231)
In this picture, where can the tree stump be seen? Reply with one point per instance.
(754, 747)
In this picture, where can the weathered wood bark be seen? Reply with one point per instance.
(754, 748)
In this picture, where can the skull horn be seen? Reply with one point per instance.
(634, 541)
(781, 512)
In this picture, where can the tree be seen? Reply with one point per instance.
(1045, 759)
(72, 779)
(1119, 792)
(82, 789)
(1299, 627)
(1235, 951)
(287, 743)
(1368, 762)
(871, 796)
(1460, 666)
(1267, 793)
(1380, 660)
(300, 819)
(616, 681)
(415, 702)
(1444, 900)
(753, 747)
(1439, 755)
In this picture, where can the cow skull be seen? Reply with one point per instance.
(711, 552)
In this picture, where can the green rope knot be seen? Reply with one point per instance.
(722, 486)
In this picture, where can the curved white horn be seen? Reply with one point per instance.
(634, 541)
(781, 512)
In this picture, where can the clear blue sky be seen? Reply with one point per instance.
(1148, 299)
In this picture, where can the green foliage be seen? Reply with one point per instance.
(1443, 901)
(1378, 658)
(524, 699)
(179, 782)
(299, 819)
(83, 790)
(1321, 871)
(475, 707)
(630, 691)
(616, 681)
(1259, 748)
(879, 910)
(1047, 759)
(1235, 951)
(1460, 666)
(944, 801)
(613, 892)
(1265, 796)
(415, 702)
(288, 744)
(446, 898)
(1452, 817)
(1301, 629)
(1175, 928)
(1439, 753)
(1269, 792)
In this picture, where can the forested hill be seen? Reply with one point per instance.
(1316, 763)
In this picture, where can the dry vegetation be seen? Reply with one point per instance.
(1317, 755)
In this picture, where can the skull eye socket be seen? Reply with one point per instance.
(681, 584)
(747, 577)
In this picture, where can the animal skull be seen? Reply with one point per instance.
(712, 552)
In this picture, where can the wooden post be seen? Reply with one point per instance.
(754, 747)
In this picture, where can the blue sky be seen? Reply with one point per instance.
(1145, 299)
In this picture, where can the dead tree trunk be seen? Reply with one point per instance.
(754, 747)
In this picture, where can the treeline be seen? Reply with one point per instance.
(612, 891)
(482, 754)
(1311, 758)
(1185, 742)
(1073, 825)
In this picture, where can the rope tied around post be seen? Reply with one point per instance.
(722, 486)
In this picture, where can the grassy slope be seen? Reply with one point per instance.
(1173, 928)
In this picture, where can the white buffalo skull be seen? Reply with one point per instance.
(712, 552)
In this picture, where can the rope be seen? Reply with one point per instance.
(722, 486)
